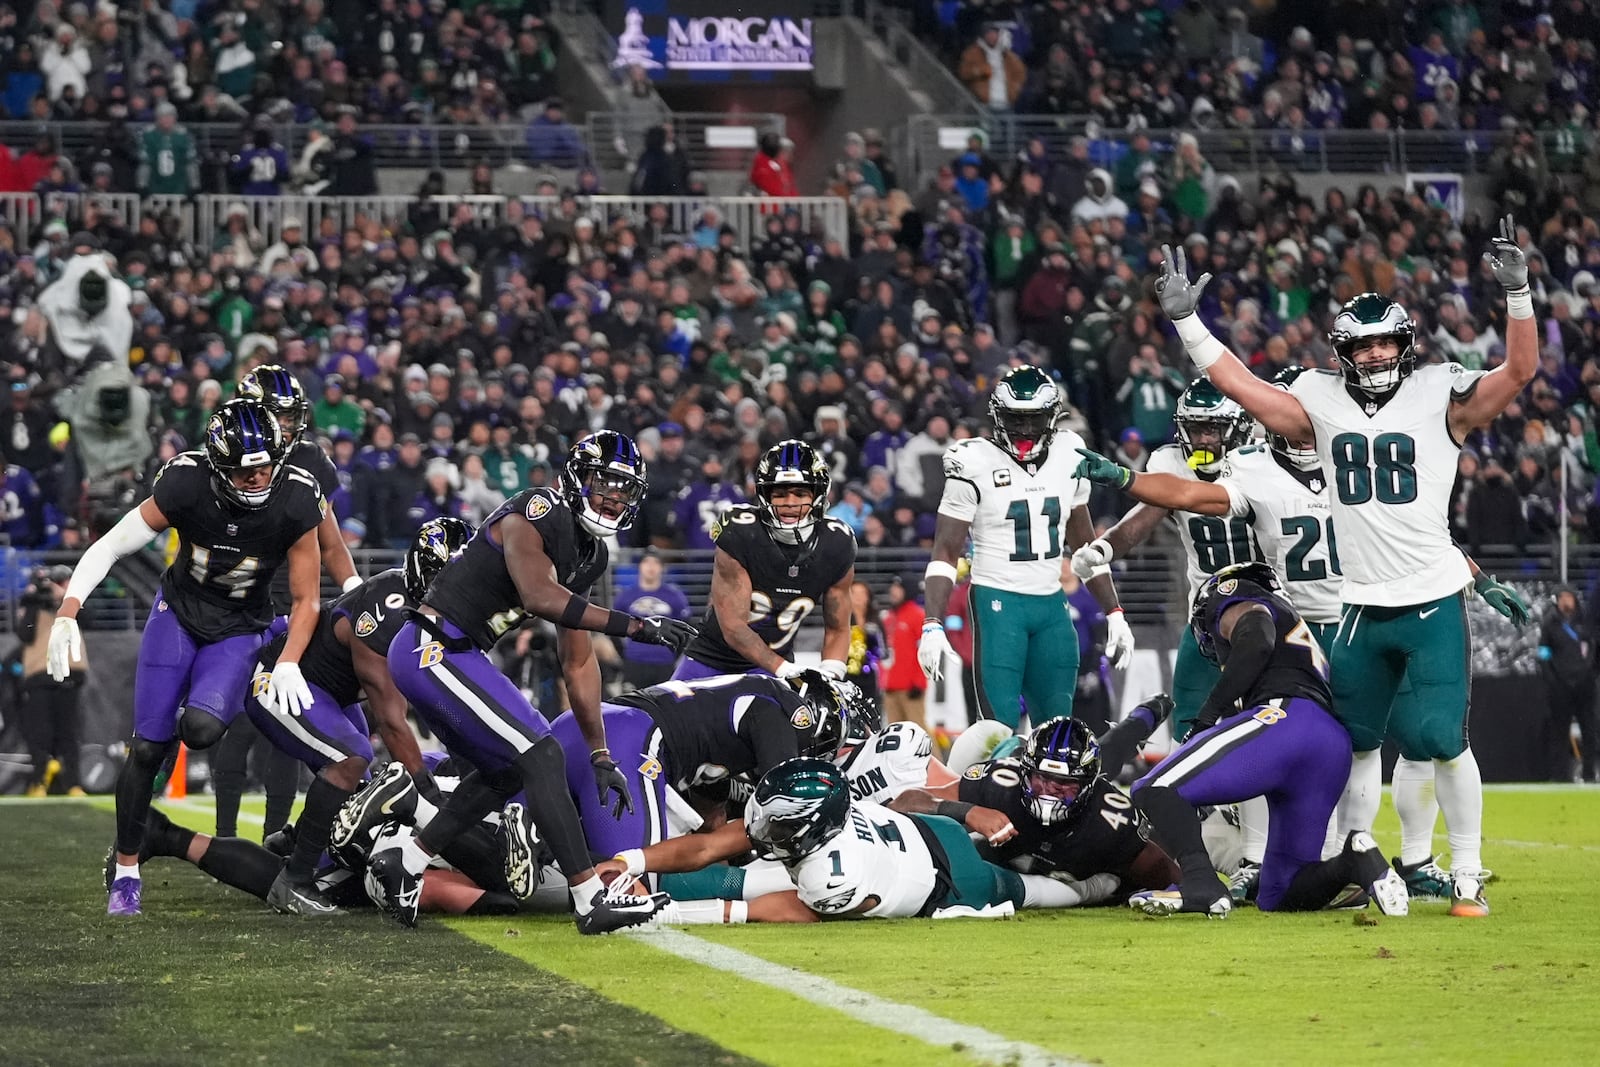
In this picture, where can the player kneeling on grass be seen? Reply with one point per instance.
(1285, 745)
(855, 860)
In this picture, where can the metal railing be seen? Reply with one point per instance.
(933, 140)
(202, 218)
(712, 140)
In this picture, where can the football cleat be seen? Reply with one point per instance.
(394, 889)
(1245, 881)
(522, 851)
(280, 842)
(1171, 902)
(609, 911)
(124, 898)
(1350, 898)
(1467, 899)
(390, 795)
(1425, 881)
(287, 898)
(1388, 888)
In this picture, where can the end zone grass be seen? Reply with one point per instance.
(211, 976)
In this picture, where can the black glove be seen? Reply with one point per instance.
(609, 780)
(661, 630)
(429, 789)
(1160, 706)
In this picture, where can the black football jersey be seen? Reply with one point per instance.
(475, 590)
(724, 727)
(787, 582)
(376, 609)
(309, 457)
(1104, 834)
(1298, 667)
(219, 583)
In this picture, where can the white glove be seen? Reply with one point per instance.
(287, 691)
(1092, 560)
(788, 669)
(834, 668)
(66, 645)
(931, 651)
(1119, 639)
(352, 582)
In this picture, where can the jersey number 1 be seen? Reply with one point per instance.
(1022, 519)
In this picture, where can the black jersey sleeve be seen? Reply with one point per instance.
(181, 484)
(978, 786)
(837, 550)
(309, 457)
(302, 502)
(376, 609)
(738, 533)
(772, 731)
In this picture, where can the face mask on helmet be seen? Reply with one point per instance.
(1305, 459)
(1024, 408)
(244, 448)
(798, 807)
(1362, 333)
(604, 483)
(438, 541)
(1206, 442)
(1063, 762)
(792, 491)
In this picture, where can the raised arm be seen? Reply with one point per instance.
(1158, 490)
(1278, 410)
(1493, 391)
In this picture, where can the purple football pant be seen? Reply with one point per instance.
(635, 743)
(1296, 755)
(324, 733)
(692, 670)
(478, 713)
(175, 671)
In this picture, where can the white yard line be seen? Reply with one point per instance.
(864, 1007)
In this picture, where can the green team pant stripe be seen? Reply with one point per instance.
(1193, 678)
(975, 882)
(1023, 647)
(1377, 651)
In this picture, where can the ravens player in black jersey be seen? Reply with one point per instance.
(1284, 744)
(1066, 814)
(279, 391)
(535, 555)
(775, 561)
(348, 657)
(241, 511)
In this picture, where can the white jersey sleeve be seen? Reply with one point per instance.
(1293, 526)
(879, 855)
(1390, 470)
(1020, 517)
(888, 763)
(1211, 542)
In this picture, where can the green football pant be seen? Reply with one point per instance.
(1023, 646)
(974, 881)
(1193, 678)
(1376, 650)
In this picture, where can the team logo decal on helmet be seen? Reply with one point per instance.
(798, 807)
(438, 541)
(242, 435)
(280, 392)
(1062, 763)
(1255, 579)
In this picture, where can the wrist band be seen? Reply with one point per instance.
(1519, 303)
(634, 858)
(606, 752)
(617, 624)
(953, 809)
(1197, 340)
(351, 582)
(1102, 546)
(940, 569)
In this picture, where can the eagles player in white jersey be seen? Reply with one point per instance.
(1017, 498)
(855, 859)
(1389, 433)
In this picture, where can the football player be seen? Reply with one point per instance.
(531, 557)
(1285, 745)
(856, 859)
(882, 762)
(1016, 498)
(1389, 432)
(348, 657)
(776, 560)
(241, 511)
(679, 737)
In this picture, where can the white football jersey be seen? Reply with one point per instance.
(1211, 542)
(880, 853)
(1018, 514)
(888, 763)
(1391, 469)
(1293, 526)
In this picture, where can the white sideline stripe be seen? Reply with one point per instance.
(863, 1007)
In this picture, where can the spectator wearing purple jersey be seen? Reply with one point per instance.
(22, 508)
(263, 167)
(701, 504)
(646, 665)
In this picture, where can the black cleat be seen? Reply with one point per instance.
(288, 898)
(392, 887)
(391, 795)
(610, 912)
(522, 851)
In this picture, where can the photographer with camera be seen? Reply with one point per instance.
(49, 708)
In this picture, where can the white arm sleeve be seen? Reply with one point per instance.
(1238, 506)
(130, 534)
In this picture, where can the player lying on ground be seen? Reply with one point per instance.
(1285, 745)
(346, 659)
(853, 860)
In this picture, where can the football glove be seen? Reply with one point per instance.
(790, 669)
(287, 691)
(1178, 295)
(931, 650)
(1506, 258)
(1119, 639)
(610, 782)
(66, 645)
(662, 630)
(1102, 471)
(1502, 598)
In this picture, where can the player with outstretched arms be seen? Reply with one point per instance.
(1389, 433)
(241, 512)
(775, 561)
(1017, 498)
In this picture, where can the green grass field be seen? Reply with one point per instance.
(209, 976)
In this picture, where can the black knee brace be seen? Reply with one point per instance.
(199, 728)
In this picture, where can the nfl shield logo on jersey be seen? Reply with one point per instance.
(994, 605)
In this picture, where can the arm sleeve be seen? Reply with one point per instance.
(1251, 647)
(130, 534)
(1238, 506)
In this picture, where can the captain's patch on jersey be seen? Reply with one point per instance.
(365, 624)
(1002, 477)
(538, 507)
(801, 719)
